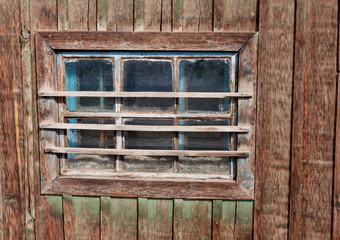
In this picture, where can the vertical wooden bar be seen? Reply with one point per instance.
(192, 16)
(314, 110)
(192, 219)
(274, 103)
(244, 220)
(154, 218)
(336, 207)
(12, 202)
(117, 15)
(235, 16)
(224, 214)
(81, 217)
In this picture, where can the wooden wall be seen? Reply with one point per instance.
(298, 133)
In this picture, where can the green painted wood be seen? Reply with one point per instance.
(155, 218)
(118, 218)
(192, 219)
(244, 220)
(224, 213)
(81, 217)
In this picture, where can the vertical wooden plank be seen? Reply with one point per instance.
(192, 15)
(192, 219)
(313, 120)
(118, 218)
(336, 208)
(74, 15)
(154, 218)
(244, 220)
(224, 219)
(235, 16)
(11, 181)
(147, 16)
(115, 15)
(275, 70)
(166, 16)
(28, 140)
(81, 217)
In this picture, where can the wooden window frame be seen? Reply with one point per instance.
(54, 180)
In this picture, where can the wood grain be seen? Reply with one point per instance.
(120, 187)
(313, 120)
(118, 218)
(155, 218)
(192, 219)
(12, 199)
(224, 214)
(119, 15)
(147, 41)
(274, 101)
(147, 15)
(81, 217)
(336, 203)
(244, 220)
(236, 16)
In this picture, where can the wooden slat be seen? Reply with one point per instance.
(81, 217)
(138, 152)
(147, 15)
(147, 41)
(145, 94)
(224, 214)
(244, 220)
(336, 207)
(192, 219)
(154, 218)
(12, 204)
(48, 213)
(206, 115)
(120, 187)
(274, 101)
(314, 107)
(145, 128)
(119, 15)
(230, 15)
(118, 218)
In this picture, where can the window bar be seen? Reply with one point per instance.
(61, 108)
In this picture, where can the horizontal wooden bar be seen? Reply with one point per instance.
(139, 152)
(145, 128)
(149, 41)
(160, 188)
(144, 94)
(146, 175)
(198, 115)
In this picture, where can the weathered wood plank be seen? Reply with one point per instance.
(274, 101)
(73, 15)
(147, 41)
(235, 16)
(147, 94)
(146, 128)
(313, 120)
(81, 217)
(115, 15)
(192, 219)
(192, 15)
(155, 218)
(43, 17)
(138, 152)
(336, 207)
(144, 187)
(119, 218)
(244, 220)
(147, 15)
(224, 214)
(27, 98)
(166, 16)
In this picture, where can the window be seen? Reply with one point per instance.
(147, 114)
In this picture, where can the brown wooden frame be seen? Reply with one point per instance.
(54, 181)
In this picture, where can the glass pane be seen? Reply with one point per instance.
(148, 76)
(204, 75)
(148, 163)
(91, 161)
(89, 75)
(148, 140)
(204, 141)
